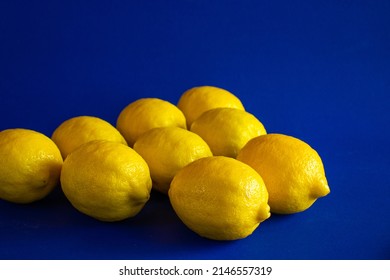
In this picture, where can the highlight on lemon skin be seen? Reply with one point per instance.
(30, 165)
(79, 130)
(292, 171)
(168, 149)
(227, 130)
(219, 198)
(145, 114)
(106, 180)
(197, 100)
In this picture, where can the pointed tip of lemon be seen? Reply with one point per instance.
(265, 213)
(321, 190)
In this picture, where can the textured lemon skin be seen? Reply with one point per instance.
(292, 171)
(227, 130)
(197, 100)
(106, 180)
(30, 165)
(145, 114)
(79, 130)
(167, 150)
(219, 198)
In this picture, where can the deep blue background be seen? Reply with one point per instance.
(316, 70)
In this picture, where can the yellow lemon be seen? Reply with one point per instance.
(198, 100)
(30, 165)
(167, 150)
(106, 180)
(219, 198)
(76, 131)
(147, 113)
(227, 130)
(292, 171)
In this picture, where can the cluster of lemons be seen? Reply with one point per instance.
(222, 172)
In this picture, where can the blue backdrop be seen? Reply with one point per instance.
(316, 70)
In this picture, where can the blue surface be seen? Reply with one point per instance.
(316, 70)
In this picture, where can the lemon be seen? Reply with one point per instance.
(147, 113)
(76, 131)
(106, 180)
(30, 165)
(227, 130)
(219, 198)
(167, 150)
(198, 100)
(292, 171)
